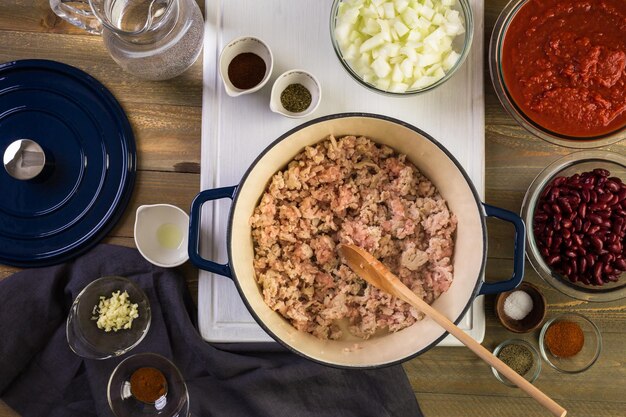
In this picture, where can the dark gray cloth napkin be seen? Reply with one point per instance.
(40, 376)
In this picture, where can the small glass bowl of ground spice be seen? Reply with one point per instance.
(245, 65)
(296, 93)
(570, 343)
(520, 356)
(147, 384)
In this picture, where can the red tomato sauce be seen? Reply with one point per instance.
(564, 65)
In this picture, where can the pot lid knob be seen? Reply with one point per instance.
(24, 159)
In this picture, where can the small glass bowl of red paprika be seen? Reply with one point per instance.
(558, 69)
(147, 384)
(570, 343)
(544, 194)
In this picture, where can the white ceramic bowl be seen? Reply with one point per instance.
(296, 76)
(240, 46)
(161, 234)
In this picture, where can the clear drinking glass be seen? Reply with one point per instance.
(152, 39)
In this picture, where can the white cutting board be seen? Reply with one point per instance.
(236, 130)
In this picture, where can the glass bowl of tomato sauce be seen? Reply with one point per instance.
(558, 67)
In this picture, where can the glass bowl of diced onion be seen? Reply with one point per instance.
(108, 318)
(401, 47)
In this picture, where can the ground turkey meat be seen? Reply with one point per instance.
(354, 191)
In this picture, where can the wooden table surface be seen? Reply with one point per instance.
(450, 382)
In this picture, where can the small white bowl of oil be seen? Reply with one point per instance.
(161, 234)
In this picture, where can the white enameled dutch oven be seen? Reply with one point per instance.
(434, 161)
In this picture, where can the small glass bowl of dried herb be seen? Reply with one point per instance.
(570, 343)
(520, 356)
(296, 94)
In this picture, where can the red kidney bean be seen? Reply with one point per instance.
(597, 243)
(597, 272)
(615, 248)
(566, 223)
(593, 229)
(543, 217)
(553, 259)
(620, 264)
(577, 239)
(612, 185)
(622, 194)
(594, 218)
(597, 207)
(600, 172)
(586, 195)
(578, 224)
(605, 198)
(582, 264)
(582, 210)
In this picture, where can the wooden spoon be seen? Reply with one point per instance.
(377, 274)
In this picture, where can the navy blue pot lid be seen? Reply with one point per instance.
(90, 161)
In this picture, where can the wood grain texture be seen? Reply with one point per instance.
(448, 382)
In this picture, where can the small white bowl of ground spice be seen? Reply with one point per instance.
(296, 93)
(245, 65)
(520, 356)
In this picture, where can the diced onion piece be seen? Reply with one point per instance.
(397, 75)
(401, 28)
(381, 67)
(450, 60)
(372, 43)
(407, 68)
(390, 11)
(398, 87)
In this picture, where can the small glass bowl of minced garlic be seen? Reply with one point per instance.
(108, 318)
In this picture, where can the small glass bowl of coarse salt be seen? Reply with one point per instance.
(521, 310)
(108, 318)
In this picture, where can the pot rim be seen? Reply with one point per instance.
(477, 200)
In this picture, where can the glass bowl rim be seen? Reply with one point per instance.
(467, 44)
(90, 286)
(561, 316)
(528, 208)
(533, 351)
(498, 35)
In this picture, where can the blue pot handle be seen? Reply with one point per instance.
(518, 254)
(194, 230)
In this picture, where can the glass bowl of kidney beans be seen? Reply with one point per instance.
(575, 212)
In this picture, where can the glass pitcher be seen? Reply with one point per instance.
(152, 39)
